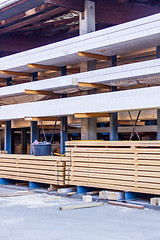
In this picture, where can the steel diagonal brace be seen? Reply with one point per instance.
(134, 125)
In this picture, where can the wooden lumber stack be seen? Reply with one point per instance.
(41, 169)
(117, 165)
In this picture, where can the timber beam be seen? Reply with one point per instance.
(52, 68)
(93, 55)
(93, 85)
(45, 67)
(32, 19)
(42, 119)
(16, 73)
(38, 92)
(91, 115)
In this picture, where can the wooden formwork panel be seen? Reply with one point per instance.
(42, 169)
(120, 165)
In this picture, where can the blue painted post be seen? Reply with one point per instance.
(34, 130)
(135, 195)
(114, 116)
(5, 181)
(63, 124)
(8, 127)
(8, 137)
(33, 185)
(158, 51)
(83, 190)
(158, 110)
(158, 124)
(33, 123)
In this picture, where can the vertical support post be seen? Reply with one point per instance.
(12, 141)
(33, 131)
(158, 51)
(158, 124)
(24, 140)
(63, 123)
(87, 25)
(87, 18)
(114, 116)
(158, 110)
(7, 138)
(33, 135)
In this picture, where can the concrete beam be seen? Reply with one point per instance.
(137, 99)
(131, 36)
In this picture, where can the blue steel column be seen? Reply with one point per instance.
(34, 123)
(8, 127)
(63, 123)
(158, 110)
(114, 116)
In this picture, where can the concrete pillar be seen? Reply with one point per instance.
(114, 116)
(87, 25)
(158, 110)
(64, 121)
(87, 18)
(7, 134)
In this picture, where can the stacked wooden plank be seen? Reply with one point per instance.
(125, 165)
(41, 169)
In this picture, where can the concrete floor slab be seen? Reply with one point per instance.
(38, 217)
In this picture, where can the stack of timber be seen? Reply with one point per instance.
(41, 169)
(117, 165)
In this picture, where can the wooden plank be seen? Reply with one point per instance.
(104, 149)
(99, 170)
(67, 190)
(102, 176)
(35, 164)
(32, 157)
(79, 206)
(24, 166)
(101, 143)
(129, 205)
(98, 165)
(34, 179)
(103, 155)
(92, 193)
(34, 171)
(24, 193)
(29, 176)
(105, 181)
